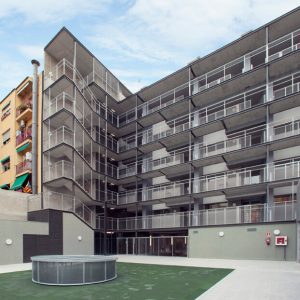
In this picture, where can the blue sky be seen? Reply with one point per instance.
(140, 41)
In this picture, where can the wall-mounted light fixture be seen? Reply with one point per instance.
(221, 233)
(79, 238)
(276, 232)
(8, 242)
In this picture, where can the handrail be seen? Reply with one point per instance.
(242, 139)
(144, 109)
(243, 214)
(223, 76)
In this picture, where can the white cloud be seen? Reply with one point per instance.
(51, 11)
(32, 51)
(168, 34)
(172, 30)
(12, 73)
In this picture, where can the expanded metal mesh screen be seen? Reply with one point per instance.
(73, 270)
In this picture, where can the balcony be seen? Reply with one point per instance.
(24, 112)
(65, 68)
(239, 178)
(64, 202)
(62, 101)
(23, 136)
(227, 108)
(58, 170)
(24, 166)
(107, 169)
(246, 214)
(256, 136)
(254, 59)
(59, 136)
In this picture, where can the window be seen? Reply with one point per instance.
(5, 113)
(5, 107)
(6, 137)
(5, 164)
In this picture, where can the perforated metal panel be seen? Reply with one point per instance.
(73, 270)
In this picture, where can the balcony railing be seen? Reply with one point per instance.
(57, 170)
(246, 214)
(23, 166)
(251, 137)
(66, 202)
(58, 136)
(107, 169)
(65, 68)
(62, 101)
(23, 108)
(234, 178)
(279, 88)
(254, 59)
(23, 136)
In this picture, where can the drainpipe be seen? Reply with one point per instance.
(35, 64)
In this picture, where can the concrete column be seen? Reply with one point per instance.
(146, 210)
(298, 221)
(247, 64)
(198, 205)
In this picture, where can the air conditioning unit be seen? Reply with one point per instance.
(22, 124)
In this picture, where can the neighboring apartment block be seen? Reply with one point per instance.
(216, 143)
(16, 138)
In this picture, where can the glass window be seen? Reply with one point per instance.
(6, 137)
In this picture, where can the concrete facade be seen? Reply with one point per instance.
(242, 242)
(16, 124)
(14, 230)
(78, 238)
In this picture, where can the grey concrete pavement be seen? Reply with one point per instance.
(250, 280)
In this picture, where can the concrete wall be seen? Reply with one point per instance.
(242, 242)
(13, 205)
(72, 228)
(14, 230)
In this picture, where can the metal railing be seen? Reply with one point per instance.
(59, 136)
(23, 166)
(229, 179)
(245, 214)
(246, 138)
(62, 101)
(279, 88)
(64, 202)
(23, 136)
(249, 61)
(64, 67)
(258, 57)
(23, 107)
(57, 170)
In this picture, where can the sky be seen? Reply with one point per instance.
(140, 41)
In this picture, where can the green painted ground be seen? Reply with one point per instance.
(134, 282)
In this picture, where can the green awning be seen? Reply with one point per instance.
(19, 182)
(23, 147)
(4, 186)
(5, 159)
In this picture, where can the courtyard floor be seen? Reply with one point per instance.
(250, 280)
(134, 282)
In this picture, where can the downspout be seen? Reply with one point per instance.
(35, 64)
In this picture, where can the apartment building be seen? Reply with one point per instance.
(16, 138)
(215, 144)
